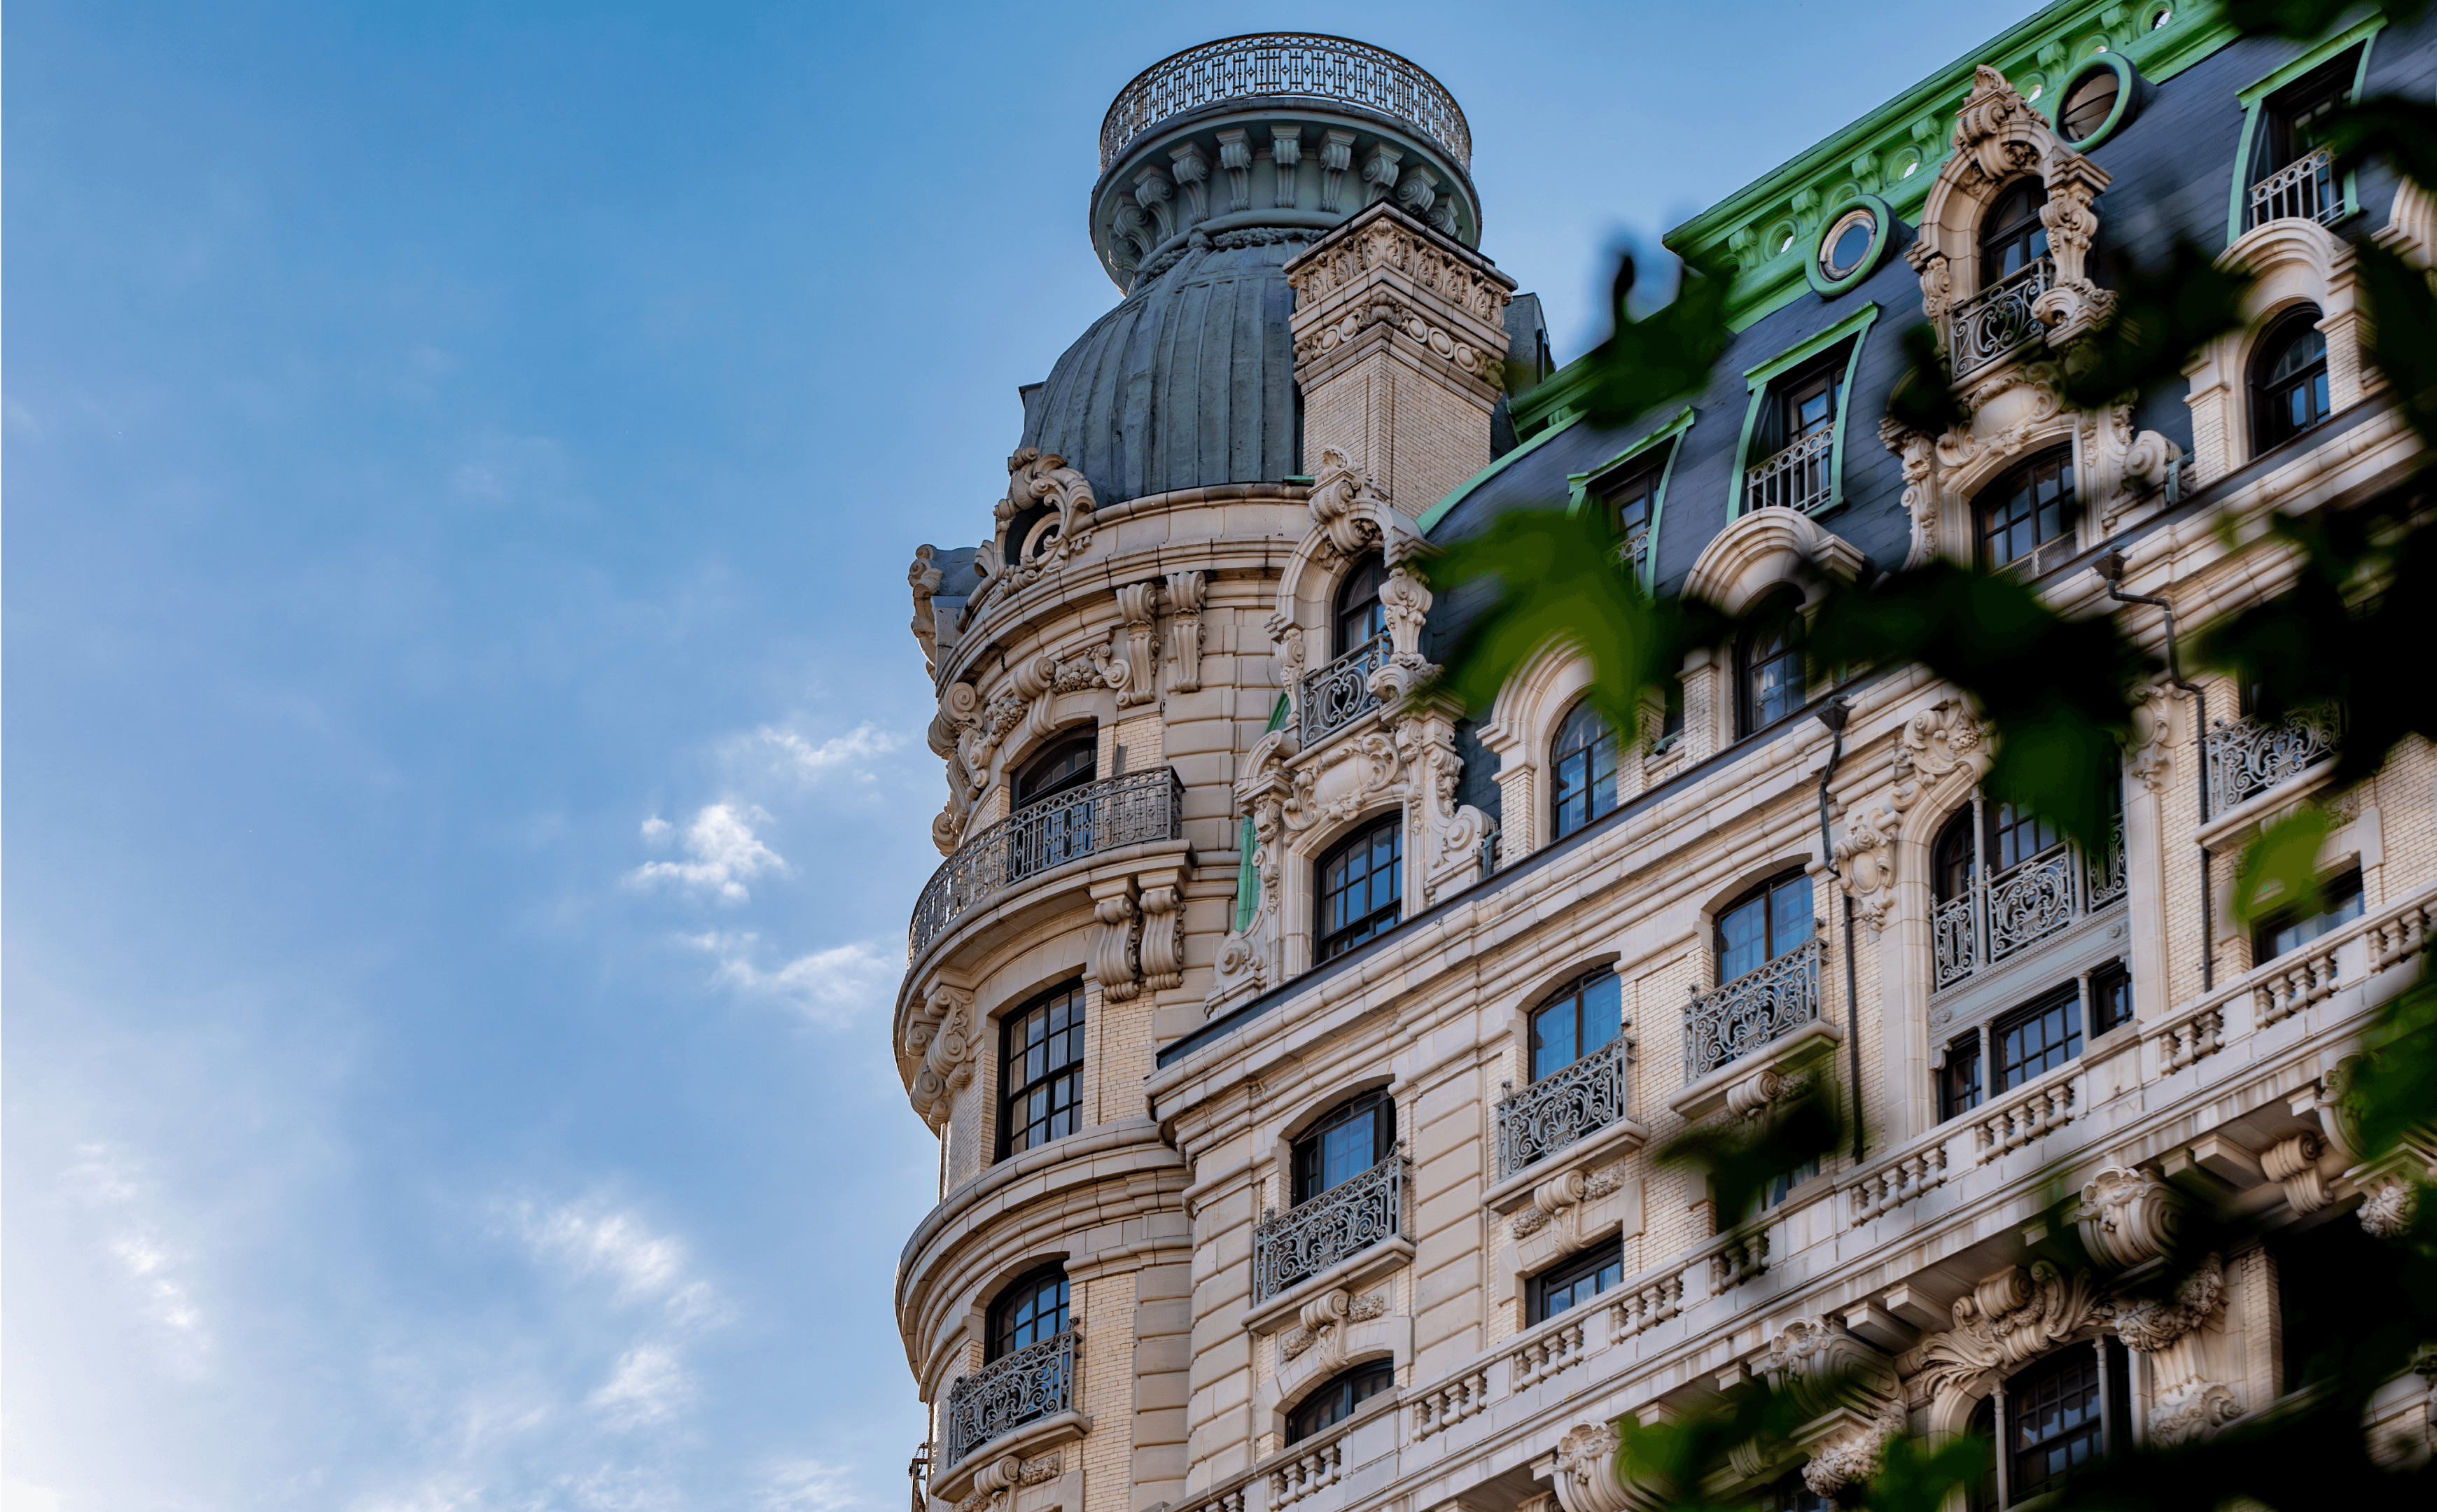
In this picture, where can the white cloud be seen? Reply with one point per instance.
(808, 761)
(106, 1178)
(656, 830)
(830, 986)
(648, 1386)
(590, 1242)
(808, 1485)
(16, 1496)
(723, 849)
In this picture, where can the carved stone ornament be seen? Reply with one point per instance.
(967, 732)
(1852, 1458)
(2153, 735)
(2007, 1321)
(2184, 1405)
(1117, 945)
(1345, 504)
(1999, 137)
(2294, 1163)
(1931, 745)
(1585, 1479)
(1163, 937)
(1138, 612)
(2389, 1209)
(2126, 1217)
(1184, 595)
(925, 579)
(1051, 503)
(943, 1033)
(1322, 1323)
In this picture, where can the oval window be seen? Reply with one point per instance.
(1847, 246)
(2092, 101)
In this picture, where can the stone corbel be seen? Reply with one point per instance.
(1583, 1471)
(2126, 1217)
(2184, 1405)
(2007, 1320)
(2293, 1163)
(1236, 161)
(1117, 945)
(944, 1033)
(1335, 156)
(1380, 172)
(1866, 863)
(1345, 504)
(2153, 735)
(1407, 605)
(1185, 594)
(1154, 192)
(1285, 157)
(923, 577)
(1193, 177)
(1445, 834)
(1850, 1393)
(1162, 951)
(2124, 464)
(1248, 958)
(1137, 610)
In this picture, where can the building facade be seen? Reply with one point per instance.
(1297, 1050)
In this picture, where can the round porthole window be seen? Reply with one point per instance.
(2096, 100)
(1855, 242)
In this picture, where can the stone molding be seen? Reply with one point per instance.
(1766, 548)
(2292, 262)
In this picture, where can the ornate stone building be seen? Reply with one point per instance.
(1297, 1053)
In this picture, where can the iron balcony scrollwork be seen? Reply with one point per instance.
(1762, 1006)
(2247, 757)
(1035, 1381)
(2022, 906)
(1795, 478)
(1320, 1231)
(1338, 693)
(1993, 323)
(1286, 63)
(1559, 1110)
(2304, 189)
(1081, 822)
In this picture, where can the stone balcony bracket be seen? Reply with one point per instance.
(952, 1484)
(1712, 1092)
(1355, 1274)
(2262, 809)
(1588, 1154)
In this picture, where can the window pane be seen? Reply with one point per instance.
(1602, 1011)
(1552, 1038)
(2054, 1408)
(1791, 925)
(2038, 1039)
(2344, 904)
(1958, 1080)
(1742, 939)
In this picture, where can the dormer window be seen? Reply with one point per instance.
(1360, 617)
(1361, 886)
(2012, 236)
(1631, 502)
(2293, 172)
(1796, 438)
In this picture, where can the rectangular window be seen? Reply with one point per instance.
(1793, 449)
(1958, 1079)
(1577, 1280)
(1631, 502)
(2111, 997)
(2292, 170)
(2286, 932)
(1361, 887)
(2031, 1041)
(1040, 1070)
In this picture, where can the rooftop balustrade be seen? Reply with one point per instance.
(1286, 63)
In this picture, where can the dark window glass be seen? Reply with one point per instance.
(1792, 1495)
(1041, 1078)
(2052, 1421)
(1952, 858)
(1029, 1311)
(2323, 1273)
(1670, 722)
(1069, 763)
(2111, 997)
(2296, 115)
(1769, 683)
(1584, 1017)
(1983, 1496)
(1958, 1079)
(1801, 404)
(1360, 886)
(2011, 236)
(2015, 836)
(1347, 1141)
(2286, 932)
(1780, 1185)
(1764, 925)
(1579, 1279)
(1359, 615)
(2288, 390)
(1852, 244)
(1334, 1401)
(2026, 508)
(1630, 501)
(1584, 761)
(2037, 1039)
(2086, 108)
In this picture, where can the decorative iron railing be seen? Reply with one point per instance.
(2246, 758)
(1728, 1023)
(1995, 321)
(1077, 823)
(1338, 693)
(1286, 63)
(2304, 189)
(1795, 478)
(1036, 1381)
(2022, 906)
(1317, 1233)
(1558, 1110)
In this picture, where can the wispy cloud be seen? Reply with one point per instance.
(831, 987)
(588, 1239)
(649, 1386)
(839, 753)
(722, 854)
(808, 1485)
(107, 1178)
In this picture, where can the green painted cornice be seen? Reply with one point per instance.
(1895, 150)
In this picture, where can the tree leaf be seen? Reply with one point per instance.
(2279, 871)
(1741, 1157)
(2390, 126)
(2164, 311)
(2304, 20)
(1663, 356)
(1923, 397)
(2403, 332)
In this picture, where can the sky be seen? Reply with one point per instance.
(461, 748)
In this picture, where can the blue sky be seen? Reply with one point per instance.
(463, 772)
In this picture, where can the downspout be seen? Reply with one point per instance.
(1833, 714)
(2111, 566)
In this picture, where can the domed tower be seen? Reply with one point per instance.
(1170, 699)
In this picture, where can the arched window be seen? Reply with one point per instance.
(1361, 887)
(1348, 1140)
(1031, 1309)
(2012, 235)
(1769, 667)
(2026, 508)
(1764, 923)
(1333, 1400)
(2288, 380)
(1583, 769)
(1952, 857)
(1040, 1070)
(1068, 762)
(1584, 1016)
(1361, 618)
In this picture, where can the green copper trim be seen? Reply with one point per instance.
(1551, 400)
(1852, 325)
(1248, 881)
(1578, 485)
(1883, 219)
(2128, 90)
(1457, 495)
(2255, 96)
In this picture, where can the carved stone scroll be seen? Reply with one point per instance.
(1116, 945)
(1137, 609)
(1185, 594)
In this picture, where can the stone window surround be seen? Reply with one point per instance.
(2295, 263)
(1760, 377)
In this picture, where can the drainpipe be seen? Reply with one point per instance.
(1833, 713)
(2111, 566)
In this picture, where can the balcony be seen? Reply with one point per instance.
(1036, 1381)
(1081, 822)
(2018, 907)
(1341, 1223)
(1762, 1006)
(1286, 63)
(1795, 478)
(2304, 189)
(1338, 693)
(2247, 758)
(1994, 322)
(1556, 1111)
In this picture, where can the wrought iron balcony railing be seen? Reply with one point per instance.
(1338, 693)
(2020, 906)
(1560, 1108)
(1317, 1233)
(1036, 1381)
(1080, 822)
(2304, 189)
(2246, 758)
(1995, 321)
(1795, 478)
(1286, 63)
(1766, 1004)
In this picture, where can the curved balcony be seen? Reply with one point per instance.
(1995, 321)
(1077, 823)
(1286, 63)
(1034, 1382)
